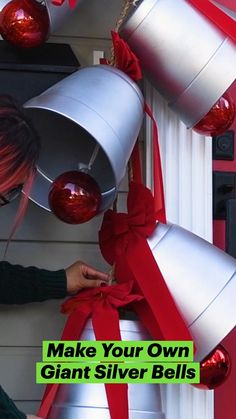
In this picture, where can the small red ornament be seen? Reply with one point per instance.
(218, 119)
(24, 23)
(214, 369)
(74, 197)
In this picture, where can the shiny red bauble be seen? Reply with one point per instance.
(214, 369)
(74, 197)
(24, 23)
(218, 119)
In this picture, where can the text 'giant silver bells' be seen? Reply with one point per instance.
(189, 60)
(95, 106)
(202, 281)
(89, 401)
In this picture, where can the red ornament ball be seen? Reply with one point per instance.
(24, 23)
(218, 119)
(214, 369)
(74, 197)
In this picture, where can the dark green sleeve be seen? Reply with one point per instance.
(19, 285)
(8, 409)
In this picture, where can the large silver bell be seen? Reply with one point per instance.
(89, 121)
(89, 401)
(202, 281)
(188, 59)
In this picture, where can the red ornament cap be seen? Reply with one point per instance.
(214, 369)
(24, 23)
(218, 119)
(74, 197)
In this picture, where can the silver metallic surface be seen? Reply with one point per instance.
(202, 281)
(188, 59)
(3, 3)
(95, 105)
(59, 14)
(88, 401)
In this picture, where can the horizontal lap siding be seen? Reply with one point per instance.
(46, 242)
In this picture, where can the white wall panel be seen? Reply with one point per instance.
(187, 171)
(40, 225)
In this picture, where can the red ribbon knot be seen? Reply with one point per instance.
(119, 230)
(91, 301)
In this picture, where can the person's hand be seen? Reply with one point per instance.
(80, 275)
(33, 417)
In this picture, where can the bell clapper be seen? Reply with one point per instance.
(94, 156)
(86, 167)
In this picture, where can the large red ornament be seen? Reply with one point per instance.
(214, 369)
(74, 197)
(218, 119)
(24, 23)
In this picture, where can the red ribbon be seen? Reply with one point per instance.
(125, 59)
(217, 16)
(72, 3)
(123, 241)
(102, 305)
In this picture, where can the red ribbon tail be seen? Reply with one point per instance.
(106, 327)
(145, 315)
(72, 331)
(72, 4)
(117, 397)
(136, 164)
(158, 297)
(217, 16)
(159, 196)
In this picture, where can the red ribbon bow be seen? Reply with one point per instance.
(100, 300)
(101, 304)
(123, 241)
(125, 59)
(119, 229)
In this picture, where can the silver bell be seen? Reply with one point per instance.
(89, 401)
(88, 121)
(190, 60)
(202, 281)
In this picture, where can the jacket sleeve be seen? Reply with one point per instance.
(19, 285)
(8, 409)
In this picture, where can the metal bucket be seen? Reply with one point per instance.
(202, 281)
(89, 401)
(188, 59)
(97, 105)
